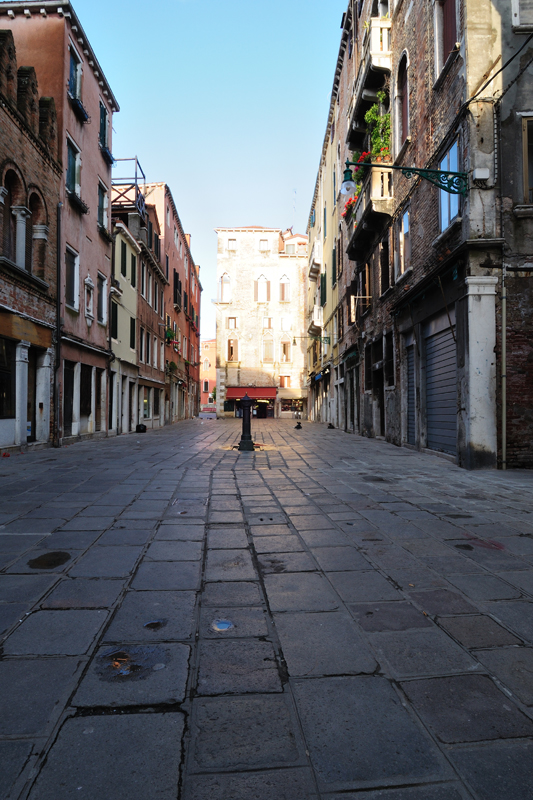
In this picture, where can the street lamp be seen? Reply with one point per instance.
(324, 339)
(452, 182)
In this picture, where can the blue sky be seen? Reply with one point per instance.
(225, 101)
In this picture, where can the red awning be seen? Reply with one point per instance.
(253, 392)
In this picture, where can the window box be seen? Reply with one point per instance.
(107, 154)
(77, 203)
(105, 234)
(79, 109)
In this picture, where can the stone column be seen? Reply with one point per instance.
(21, 214)
(3, 195)
(42, 396)
(480, 446)
(76, 400)
(40, 238)
(21, 396)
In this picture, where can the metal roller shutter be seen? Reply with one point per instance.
(441, 392)
(411, 401)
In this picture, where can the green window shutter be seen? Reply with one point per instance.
(323, 289)
(123, 258)
(334, 267)
(114, 321)
(132, 333)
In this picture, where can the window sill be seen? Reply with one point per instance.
(452, 227)
(79, 109)
(408, 272)
(72, 308)
(524, 211)
(104, 233)
(10, 266)
(446, 68)
(77, 203)
(386, 293)
(107, 155)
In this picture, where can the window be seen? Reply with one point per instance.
(72, 264)
(156, 295)
(207, 365)
(73, 168)
(232, 245)
(267, 322)
(233, 350)
(527, 126)
(323, 288)
(286, 351)
(403, 244)
(449, 203)
(161, 355)
(262, 290)
(334, 267)
(290, 249)
(147, 354)
(445, 32)
(286, 323)
(224, 289)
(89, 299)
(157, 395)
(101, 296)
(149, 296)
(285, 381)
(154, 353)
(389, 359)
(162, 304)
(523, 13)
(166, 266)
(365, 289)
(141, 344)
(325, 222)
(206, 386)
(133, 268)
(263, 245)
(231, 322)
(147, 403)
(74, 81)
(340, 322)
(123, 258)
(268, 349)
(168, 217)
(102, 135)
(211, 399)
(402, 103)
(7, 378)
(368, 368)
(102, 206)
(114, 320)
(177, 290)
(384, 265)
(284, 290)
(132, 333)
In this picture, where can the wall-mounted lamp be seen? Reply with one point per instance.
(452, 182)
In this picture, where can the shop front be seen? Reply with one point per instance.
(264, 398)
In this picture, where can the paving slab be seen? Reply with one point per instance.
(277, 544)
(323, 644)
(132, 537)
(55, 633)
(167, 576)
(10, 613)
(390, 556)
(153, 616)
(244, 733)
(286, 562)
(359, 735)
(229, 565)
(19, 544)
(327, 538)
(13, 757)
(467, 708)
(270, 530)
(106, 562)
(88, 524)
(174, 551)
(398, 616)
(135, 675)
(34, 526)
(39, 686)
(446, 791)
(522, 580)
(138, 754)
(227, 538)
(513, 666)
(359, 586)
(451, 565)
(237, 667)
(417, 578)
(478, 631)
(441, 602)
(484, 587)
(312, 522)
(84, 593)
(171, 533)
(42, 562)
(238, 593)
(340, 559)
(248, 622)
(299, 591)
(515, 614)
(420, 652)
(286, 784)
(497, 770)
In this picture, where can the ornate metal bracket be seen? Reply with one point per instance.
(451, 182)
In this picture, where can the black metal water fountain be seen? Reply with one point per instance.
(246, 443)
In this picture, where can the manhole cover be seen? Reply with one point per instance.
(49, 560)
(221, 625)
(130, 663)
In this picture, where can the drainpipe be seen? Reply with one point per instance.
(111, 355)
(56, 436)
(504, 369)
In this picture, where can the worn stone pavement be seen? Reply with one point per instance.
(330, 617)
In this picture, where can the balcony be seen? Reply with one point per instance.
(371, 212)
(316, 321)
(79, 109)
(375, 66)
(315, 262)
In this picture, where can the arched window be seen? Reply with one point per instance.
(402, 102)
(262, 290)
(268, 349)
(224, 289)
(10, 195)
(36, 236)
(206, 365)
(284, 290)
(286, 350)
(233, 350)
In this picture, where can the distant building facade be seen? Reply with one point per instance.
(208, 374)
(261, 337)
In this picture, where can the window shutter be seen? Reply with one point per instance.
(114, 321)
(449, 34)
(256, 292)
(133, 270)
(103, 125)
(334, 267)
(268, 291)
(123, 257)
(323, 289)
(132, 333)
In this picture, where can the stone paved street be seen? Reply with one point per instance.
(329, 617)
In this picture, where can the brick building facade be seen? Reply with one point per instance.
(418, 355)
(29, 194)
